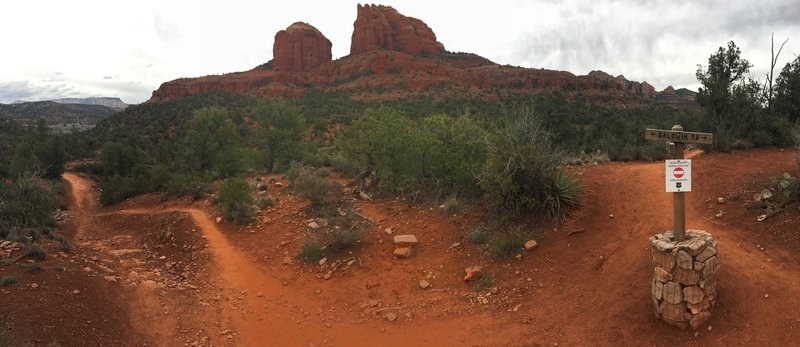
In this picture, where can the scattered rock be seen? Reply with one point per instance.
(364, 196)
(423, 284)
(721, 200)
(709, 328)
(110, 278)
(372, 283)
(76, 292)
(530, 245)
(327, 276)
(313, 225)
(405, 240)
(766, 296)
(388, 231)
(323, 261)
(87, 269)
(391, 316)
(719, 215)
(219, 219)
(473, 273)
(403, 252)
(278, 185)
(259, 294)
(287, 260)
(611, 216)
(34, 285)
(762, 217)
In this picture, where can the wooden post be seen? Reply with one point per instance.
(680, 138)
(678, 198)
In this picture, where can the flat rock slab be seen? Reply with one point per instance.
(405, 240)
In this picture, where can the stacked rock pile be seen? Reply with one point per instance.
(684, 277)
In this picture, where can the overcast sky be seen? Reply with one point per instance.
(53, 49)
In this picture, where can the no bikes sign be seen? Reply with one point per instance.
(678, 173)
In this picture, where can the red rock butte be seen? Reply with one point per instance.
(301, 47)
(393, 56)
(382, 27)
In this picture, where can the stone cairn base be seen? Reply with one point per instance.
(684, 277)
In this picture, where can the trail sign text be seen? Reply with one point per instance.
(678, 136)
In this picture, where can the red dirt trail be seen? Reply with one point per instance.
(587, 289)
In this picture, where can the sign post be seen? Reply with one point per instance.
(678, 171)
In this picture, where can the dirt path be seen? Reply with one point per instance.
(590, 288)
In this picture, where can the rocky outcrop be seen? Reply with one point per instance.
(382, 27)
(301, 47)
(393, 57)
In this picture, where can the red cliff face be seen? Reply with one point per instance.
(301, 47)
(382, 27)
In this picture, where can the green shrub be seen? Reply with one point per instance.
(311, 252)
(452, 205)
(33, 267)
(36, 252)
(485, 282)
(506, 246)
(341, 240)
(9, 281)
(312, 184)
(6, 261)
(478, 236)
(522, 174)
(265, 201)
(236, 202)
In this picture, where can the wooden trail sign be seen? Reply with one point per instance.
(679, 137)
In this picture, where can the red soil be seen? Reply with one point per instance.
(198, 282)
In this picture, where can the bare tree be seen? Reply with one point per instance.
(770, 76)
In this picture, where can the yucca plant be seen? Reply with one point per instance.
(564, 195)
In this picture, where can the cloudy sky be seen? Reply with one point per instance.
(53, 49)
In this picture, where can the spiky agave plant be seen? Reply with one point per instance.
(564, 195)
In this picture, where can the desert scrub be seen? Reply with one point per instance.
(235, 201)
(33, 267)
(478, 236)
(507, 245)
(310, 252)
(341, 240)
(36, 252)
(9, 281)
(313, 185)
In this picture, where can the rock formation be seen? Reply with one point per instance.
(301, 47)
(382, 27)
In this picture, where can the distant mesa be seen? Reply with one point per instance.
(301, 47)
(382, 27)
(394, 56)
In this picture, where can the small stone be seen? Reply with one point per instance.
(408, 315)
(278, 185)
(403, 252)
(287, 260)
(719, 215)
(110, 278)
(661, 275)
(405, 240)
(87, 269)
(699, 319)
(372, 283)
(34, 285)
(388, 231)
(709, 328)
(684, 260)
(219, 219)
(76, 292)
(162, 257)
(423, 284)
(327, 276)
(391, 316)
(313, 225)
(672, 294)
(766, 296)
(530, 245)
(721, 200)
(323, 261)
(259, 294)
(611, 216)
(473, 273)
(327, 324)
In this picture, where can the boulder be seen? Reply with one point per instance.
(473, 273)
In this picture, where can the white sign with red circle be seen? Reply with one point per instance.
(678, 175)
